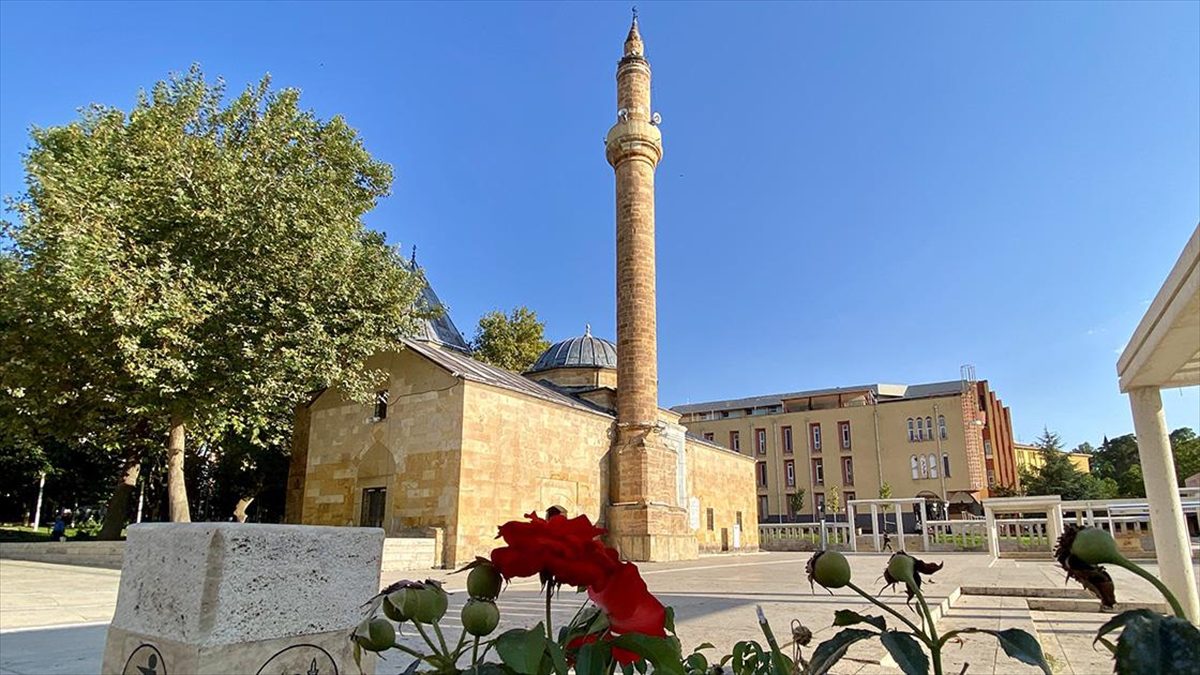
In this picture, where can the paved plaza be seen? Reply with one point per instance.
(53, 617)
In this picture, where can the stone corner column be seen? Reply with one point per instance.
(1172, 546)
(210, 598)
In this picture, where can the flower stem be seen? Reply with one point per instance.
(935, 648)
(919, 633)
(1136, 569)
(549, 595)
(441, 639)
(425, 636)
(475, 655)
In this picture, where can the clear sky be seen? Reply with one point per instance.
(850, 193)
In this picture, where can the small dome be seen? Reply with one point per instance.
(584, 351)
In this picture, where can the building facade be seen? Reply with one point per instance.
(452, 447)
(944, 441)
(1030, 457)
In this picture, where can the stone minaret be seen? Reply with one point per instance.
(645, 518)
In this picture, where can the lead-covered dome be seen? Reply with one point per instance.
(583, 351)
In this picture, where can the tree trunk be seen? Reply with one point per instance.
(118, 504)
(177, 498)
(239, 511)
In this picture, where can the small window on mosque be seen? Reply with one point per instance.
(381, 405)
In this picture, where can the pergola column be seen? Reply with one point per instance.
(875, 528)
(853, 529)
(1172, 546)
(924, 527)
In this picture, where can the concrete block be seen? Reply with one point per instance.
(233, 598)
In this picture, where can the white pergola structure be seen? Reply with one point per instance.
(874, 505)
(1164, 353)
(1051, 505)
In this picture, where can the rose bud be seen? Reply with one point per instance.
(423, 602)
(484, 582)
(375, 635)
(480, 617)
(828, 568)
(392, 611)
(903, 568)
(1095, 546)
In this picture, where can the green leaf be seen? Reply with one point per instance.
(662, 653)
(1016, 643)
(522, 649)
(1120, 620)
(907, 652)
(670, 621)
(1158, 644)
(845, 617)
(704, 645)
(593, 659)
(829, 652)
(557, 658)
(696, 661)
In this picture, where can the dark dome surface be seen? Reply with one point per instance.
(584, 351)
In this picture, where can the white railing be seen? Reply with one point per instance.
(1023, 533)
(957, 535)
(790, 536)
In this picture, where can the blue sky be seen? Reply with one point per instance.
(850, 193)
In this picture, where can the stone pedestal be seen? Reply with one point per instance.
(643, 522)
(237, 598)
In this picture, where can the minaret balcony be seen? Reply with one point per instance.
(633, 139)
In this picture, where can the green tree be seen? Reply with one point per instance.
(1185, 447)
(1085, 448)
(797, 500)
(197, 264)
(833, 501)
(1117, 460)
(511, 341)
(1057, 474)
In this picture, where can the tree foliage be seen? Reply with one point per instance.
(195, 264)
(1058, 475)
(511, 341)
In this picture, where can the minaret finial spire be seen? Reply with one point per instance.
(633, 42)
(413, 260)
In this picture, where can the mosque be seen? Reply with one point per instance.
(452, 447)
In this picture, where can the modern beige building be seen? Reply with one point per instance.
(941, 441)
(1030, 457)
(453, 447)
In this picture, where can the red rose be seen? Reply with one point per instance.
(562, 550)
(630, 606)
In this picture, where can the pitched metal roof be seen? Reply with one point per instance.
(439, 330)
(461, 365)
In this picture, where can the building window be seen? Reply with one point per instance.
(929, 427)
(762, 474)
(942, 427)
(738, 519)
(920, 429)
(924, 466)
(762, 509)
(844, 433)
(711, 521)
(933, 466)
(987, 449)
(818, 472)
(381, 402)
(916, 472)
(847, 471)
(708, 436)
(819, 501)
(373, 500)
(814, 434)
(946, 464)
(789, 468)
(912, 434)
(850, 496)
(735, 441)
(991, 478)
(787, 440)
(791, 505)
(760, 441)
